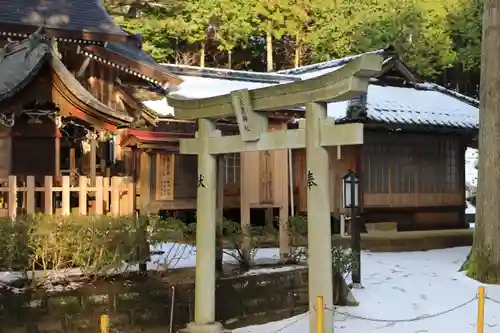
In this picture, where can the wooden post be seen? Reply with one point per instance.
(130, 196)
(93, 161)
(145, 183)
(57, 157)
(205, 228)
(115, 196)
(48, 203)
(72, 164)
(244, 203)
(144, 200)
(12, 207)
(66, 206)
(98, 196)
(82, 195)
(30, 195)
(318, 214)
(105, 194)
(103, 158)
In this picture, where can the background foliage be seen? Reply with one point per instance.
(440, 39)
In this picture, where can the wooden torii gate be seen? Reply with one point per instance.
(316, 133)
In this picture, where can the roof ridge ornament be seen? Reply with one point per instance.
(35, 39)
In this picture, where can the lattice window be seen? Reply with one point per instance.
(232, 169)
(411, 164)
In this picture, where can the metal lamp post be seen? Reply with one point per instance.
(350, 185)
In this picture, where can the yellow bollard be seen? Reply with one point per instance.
(480, 310)
(320, 314)
(104, 323)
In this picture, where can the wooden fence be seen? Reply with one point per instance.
(113, 195)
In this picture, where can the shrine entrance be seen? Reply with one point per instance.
(315, 133)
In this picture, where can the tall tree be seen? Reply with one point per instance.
(198, 20)
(297, 23)
(270, 21)
(234, 25)
(484, 262)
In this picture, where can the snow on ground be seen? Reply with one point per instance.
(407, 285)
(165, 256)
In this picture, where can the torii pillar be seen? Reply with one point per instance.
(319, 232)
(206, 224)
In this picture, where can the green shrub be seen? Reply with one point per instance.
(95, 244)
(342, 257)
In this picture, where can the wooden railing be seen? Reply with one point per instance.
(114, 195)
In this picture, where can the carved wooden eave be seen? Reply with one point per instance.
(343, 84)
(143, 111)
(21, 62)
(22, 31)
(143, 139)
(78, 102)
(132, 61)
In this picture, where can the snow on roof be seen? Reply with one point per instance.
(160, 107)
(203, 87)
(424, 104)
(400, 105)
(321, 68)
(210, 82)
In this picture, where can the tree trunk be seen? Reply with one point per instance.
(269, 51)
(229, 59)
(202, 55)
(297, 50)
(484, 261)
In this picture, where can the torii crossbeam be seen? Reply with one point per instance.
(317, 132)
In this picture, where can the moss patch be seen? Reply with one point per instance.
(479, 266)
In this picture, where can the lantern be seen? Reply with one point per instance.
(350, 186)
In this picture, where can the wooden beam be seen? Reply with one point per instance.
(330, 135)
(342, 84)
(83, 67)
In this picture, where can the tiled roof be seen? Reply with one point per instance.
(424, 104)
(133, 53)
(321, 68)
(229, 74)
(420, 104)
(75, 15)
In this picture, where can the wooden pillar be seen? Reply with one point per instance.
(57, 156)
(318, 215)
(144, 207)
(93, 161)
(145, 183)
(269, 217)
(103, 159)
(205, 228)
(244, 201)
(72, 163)
(284, 208)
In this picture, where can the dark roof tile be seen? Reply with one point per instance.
(76, 15)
